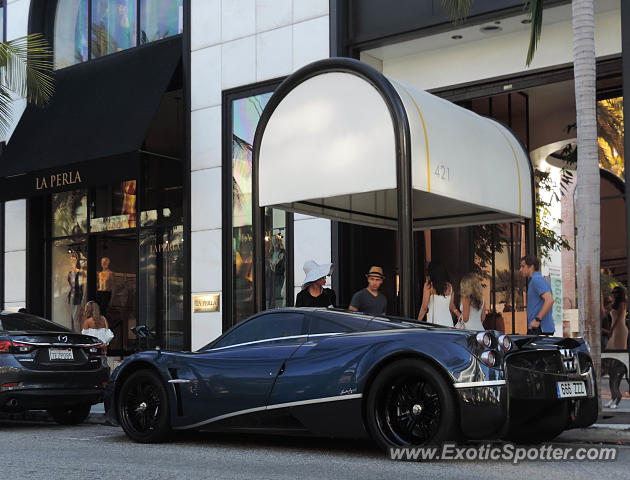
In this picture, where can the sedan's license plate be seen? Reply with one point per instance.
(571, 389)
(60, 354)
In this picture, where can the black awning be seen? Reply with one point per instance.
(100, 108)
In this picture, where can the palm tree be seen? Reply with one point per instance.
(26, 65)
(588, 181)
(588, 237)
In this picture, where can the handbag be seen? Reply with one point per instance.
(107, 337)
(461, 325)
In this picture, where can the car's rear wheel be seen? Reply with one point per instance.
(143, 407)
(409, 404)
(70, 415)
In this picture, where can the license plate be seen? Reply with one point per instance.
(60, 354)
(571, 389)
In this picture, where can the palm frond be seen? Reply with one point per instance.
(535, 11)
(458, 10)
(28, 63)
(6, 109)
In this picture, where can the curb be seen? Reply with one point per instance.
(42, 416)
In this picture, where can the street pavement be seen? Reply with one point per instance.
(30, 450)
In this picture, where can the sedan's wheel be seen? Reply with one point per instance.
(410, 403)
(143, 407)
(70, 415)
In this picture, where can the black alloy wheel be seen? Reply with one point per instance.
(143, 407)
(411, 404)
(70, 415)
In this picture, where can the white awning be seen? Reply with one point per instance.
(330, 141)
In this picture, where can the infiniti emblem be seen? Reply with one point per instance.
(62, 338)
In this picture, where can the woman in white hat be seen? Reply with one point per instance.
(313, 293)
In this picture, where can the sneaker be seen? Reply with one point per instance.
(609, 404)
(614, 405)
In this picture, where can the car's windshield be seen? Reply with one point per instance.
(13, 322)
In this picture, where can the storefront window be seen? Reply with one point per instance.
(69, 282)
(113, 273)
(245, 115)
(610, 133)
(71, 31)
(275, 258)
(113, 26)
(113, 207)
(162, 285)
(160, 19)
(163, 192)
(69, 213)
(2, 38)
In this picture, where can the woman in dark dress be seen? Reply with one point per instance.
(313, 293)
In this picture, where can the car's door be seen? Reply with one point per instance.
(236, 375)
(320, 367)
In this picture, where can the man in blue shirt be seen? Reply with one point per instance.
(539, 298)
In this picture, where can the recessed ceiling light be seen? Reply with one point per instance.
(490, 29)
(457, 37)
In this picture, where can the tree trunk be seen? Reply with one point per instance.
(588, 181)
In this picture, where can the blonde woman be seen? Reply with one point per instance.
(472, 302)
(95, 324)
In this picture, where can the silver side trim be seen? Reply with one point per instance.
(271, 407)
(179, 380)
(276, 339)
(486, 383)
(291, 337)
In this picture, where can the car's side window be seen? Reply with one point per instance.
(264, 327)
(318, 325)
(321, 324)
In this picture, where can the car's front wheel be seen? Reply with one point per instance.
(70, 415)
(410, 404)
(143, 407)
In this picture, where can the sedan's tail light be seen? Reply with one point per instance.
(96, 349)
(10, 346)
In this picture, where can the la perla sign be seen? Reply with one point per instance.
(57, 180)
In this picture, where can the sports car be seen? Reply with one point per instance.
(328, 372)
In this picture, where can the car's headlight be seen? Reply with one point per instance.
(484, 339)
(505, 342)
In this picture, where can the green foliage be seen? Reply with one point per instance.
(546, 239)
(26, 66)
(458, 10)
(607, 282)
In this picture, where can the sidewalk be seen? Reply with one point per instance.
(612, 426)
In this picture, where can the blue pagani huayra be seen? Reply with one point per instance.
(336, 373)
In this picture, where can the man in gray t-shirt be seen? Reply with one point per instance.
(369, 299)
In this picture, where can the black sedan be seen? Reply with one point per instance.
(336, 373)
(45, 366)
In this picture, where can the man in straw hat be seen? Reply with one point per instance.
(369, 299)
(313, 293)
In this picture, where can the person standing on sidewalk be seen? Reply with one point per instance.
(539, 298)
(369, 299)
(313, 293)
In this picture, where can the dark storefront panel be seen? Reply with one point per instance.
(100, 109)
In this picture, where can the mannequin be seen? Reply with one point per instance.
(104, 290)
(76, 285)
